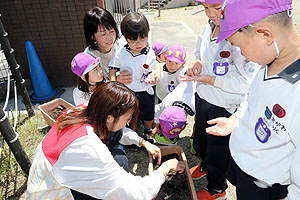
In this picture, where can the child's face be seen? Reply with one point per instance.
(254, 46)
(173, 66)
(161, 57)
(213, 12)
(95, 75)
(114, 126)
(105, 38)
(137, 45)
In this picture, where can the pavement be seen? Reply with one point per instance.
(161, 31)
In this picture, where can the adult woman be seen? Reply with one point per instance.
(101, 35)
(73, 159)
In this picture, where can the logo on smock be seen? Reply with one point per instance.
(278, 111)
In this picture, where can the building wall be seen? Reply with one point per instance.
(54, 27)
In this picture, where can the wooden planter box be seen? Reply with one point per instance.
(50, 106)
(166, 150)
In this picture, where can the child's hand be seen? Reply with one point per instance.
(155, 130)
(125, 77)
(223, 126)
(200, 78)
(152, 78)
(194, 68)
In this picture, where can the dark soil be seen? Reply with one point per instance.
(175, 186)
(54, 114)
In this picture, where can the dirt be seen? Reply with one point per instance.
(175, 186)
(54, 114)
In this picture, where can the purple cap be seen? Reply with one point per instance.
(82, 63)
(172, 121)
(249, 11)
(159, 48)
(176, 53)
(211, 1)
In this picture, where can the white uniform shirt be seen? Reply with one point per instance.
(265, 141)
(139, 65)
(80, 97)
(168, 81)
(233, 74)
(78, 160)
(183, 93)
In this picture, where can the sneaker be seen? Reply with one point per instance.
(197, 172)
(193, 151)
(160, 139)
(147, 136)
(204, 194)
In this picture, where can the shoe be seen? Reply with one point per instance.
(204, 194)
(160, 139)
(197, 172)
(193, 151)
(147, 135)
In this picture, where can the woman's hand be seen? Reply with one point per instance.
(124, 77)
(223, 126)
(172, 165)
(152, 149)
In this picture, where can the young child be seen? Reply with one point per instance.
(265, 139)
(139, 59)
(174, 66)
(160, 50)
(90, 74)
(223, 77)
(183, 96)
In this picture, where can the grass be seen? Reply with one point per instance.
(12, 178)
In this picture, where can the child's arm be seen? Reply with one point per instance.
(112, 75)
(294, 187)
(199, 78)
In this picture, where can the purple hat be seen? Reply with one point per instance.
(211, 1)
(236, 14)
(172, 121)
(82, 63)
(159, 48)
(176, 53)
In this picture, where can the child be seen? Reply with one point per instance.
(90, 74)
(175, 59)
(265, 139)
(223, 77)
(101, 36)
(139, 59)
(183, 97)
(160, 50)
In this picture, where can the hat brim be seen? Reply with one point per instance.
(92, 66)
(175, 60)
(225, 34)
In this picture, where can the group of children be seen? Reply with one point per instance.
(260, 157)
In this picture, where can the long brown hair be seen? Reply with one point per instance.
(111, 98)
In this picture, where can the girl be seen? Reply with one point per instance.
(73, 160)
(101, 34)
(90, 75)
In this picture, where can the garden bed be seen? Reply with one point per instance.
(177, 186)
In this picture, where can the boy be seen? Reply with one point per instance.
(160, 50)
(174, 66)
(139, 59)
(182, 96)
(265, 139)
(223, 76)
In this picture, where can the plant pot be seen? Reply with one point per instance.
(53, 105)
(166, 150)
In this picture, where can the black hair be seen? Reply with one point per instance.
(92, 19)
(134, 25)
(83, 85)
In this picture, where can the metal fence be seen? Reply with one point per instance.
(119, 8)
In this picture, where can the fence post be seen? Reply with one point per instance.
(14, 67)
(13, 142)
